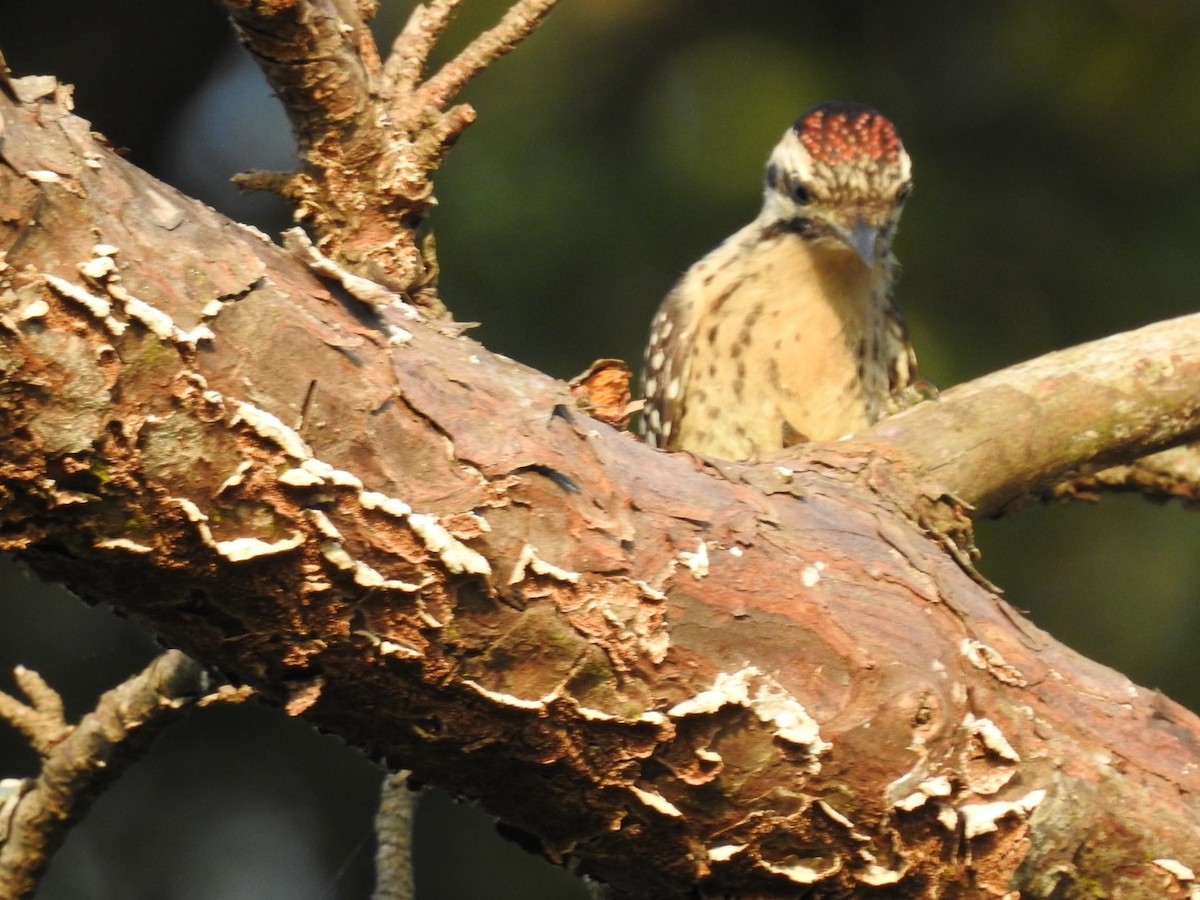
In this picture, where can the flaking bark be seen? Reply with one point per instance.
(677, 678)
(370, 132)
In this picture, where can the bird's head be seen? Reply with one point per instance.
(839, 175)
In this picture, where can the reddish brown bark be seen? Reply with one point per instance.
(749, 680)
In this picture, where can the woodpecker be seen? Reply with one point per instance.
(788, 331)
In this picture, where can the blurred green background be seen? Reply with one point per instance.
(1057, 159)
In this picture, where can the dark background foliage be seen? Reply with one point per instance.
(1057, 155)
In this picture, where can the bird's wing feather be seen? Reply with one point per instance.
(667, 367)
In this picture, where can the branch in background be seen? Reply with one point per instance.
(1170, 475)
(77, 761)
(1001, 440)
(393, 835)
(371, 134)
(41, 720)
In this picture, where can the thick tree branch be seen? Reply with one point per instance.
(1004, 438)
(680, 679)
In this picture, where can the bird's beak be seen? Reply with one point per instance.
(861, 237)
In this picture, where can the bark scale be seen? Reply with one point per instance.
(675, 677)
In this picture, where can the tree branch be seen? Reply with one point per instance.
(520, 21)
(405, 65)
(1170, 475)
(393, 834)
(78, 760)
(1004, 438)
(678, 678)
(41, 720)
(370, 134)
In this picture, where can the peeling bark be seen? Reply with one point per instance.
(370, 133)
(679, 678)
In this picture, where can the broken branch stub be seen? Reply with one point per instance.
(371, 133)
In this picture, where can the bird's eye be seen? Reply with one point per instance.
(902, 194)
(800, 193)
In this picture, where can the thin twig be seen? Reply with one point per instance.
(393, 831)
(87, 756)
(41, 720)
(1170, 475)
(410, 51)
(514, 26)
(446, 130)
